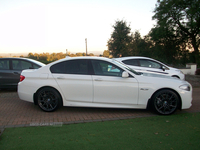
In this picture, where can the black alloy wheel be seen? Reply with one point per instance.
(165, 102)
(48, 99)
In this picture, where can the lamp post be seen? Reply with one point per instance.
(86, 45)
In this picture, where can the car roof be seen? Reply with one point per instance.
(28, 59)
(133, 57)
(138, 57)
(81, 57)
(88, 57)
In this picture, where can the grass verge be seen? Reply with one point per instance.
(181, 131)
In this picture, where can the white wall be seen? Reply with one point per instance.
(190, 69)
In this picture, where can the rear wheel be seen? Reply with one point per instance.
(165, 102)
(48, 99)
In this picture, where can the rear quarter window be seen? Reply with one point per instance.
(58, 68)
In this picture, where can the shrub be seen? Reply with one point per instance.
(197, 71)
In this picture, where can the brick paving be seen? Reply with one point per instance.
(17, 113)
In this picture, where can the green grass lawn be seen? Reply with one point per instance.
(174, 132)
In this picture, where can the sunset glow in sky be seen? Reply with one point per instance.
(39, 26)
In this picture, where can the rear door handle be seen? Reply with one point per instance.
(16, 73)
(60, 78)
(98, 79)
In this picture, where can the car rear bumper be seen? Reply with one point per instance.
(25, 93)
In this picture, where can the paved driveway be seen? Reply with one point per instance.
(17, 113)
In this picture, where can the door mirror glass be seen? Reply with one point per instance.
(125, 74)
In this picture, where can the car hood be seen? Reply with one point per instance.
(172, 68)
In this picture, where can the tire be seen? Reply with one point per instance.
(165, 102)
(48, 99)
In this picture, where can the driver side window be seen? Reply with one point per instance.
(104, 68)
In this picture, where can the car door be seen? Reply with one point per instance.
(74, 80)
(17, 65)
(150, 66)
(110, 87)
(5, 73)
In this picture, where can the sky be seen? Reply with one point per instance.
(53, 26)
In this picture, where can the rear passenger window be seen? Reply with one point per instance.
(71, 67)
(21, 65)
(4, 64)
(133, 62)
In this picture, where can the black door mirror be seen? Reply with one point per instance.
(163, 68)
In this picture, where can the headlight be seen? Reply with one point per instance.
(185, 87)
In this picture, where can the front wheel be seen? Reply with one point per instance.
(165, 102)
(48, 99)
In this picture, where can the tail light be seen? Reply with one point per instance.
(21, 78)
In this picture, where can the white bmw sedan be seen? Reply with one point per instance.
(101, 82)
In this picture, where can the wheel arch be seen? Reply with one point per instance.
(180, 100)
(176, 76)
(35, 94)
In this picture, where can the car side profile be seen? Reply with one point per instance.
(149, 65)
(11, 68)
(101, 82)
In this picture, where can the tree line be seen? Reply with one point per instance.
(175, 39)
(48, 58)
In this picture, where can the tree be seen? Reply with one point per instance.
(182, 19)
(91, 54)
(106, 53)
(30, 55)
(166, 45)
(120, 39)
(139, 46)
(79, 54)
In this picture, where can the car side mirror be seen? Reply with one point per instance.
(163, 68)
(125, 74)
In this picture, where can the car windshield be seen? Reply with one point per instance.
(126, 67)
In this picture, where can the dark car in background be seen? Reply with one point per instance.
(11, 68)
